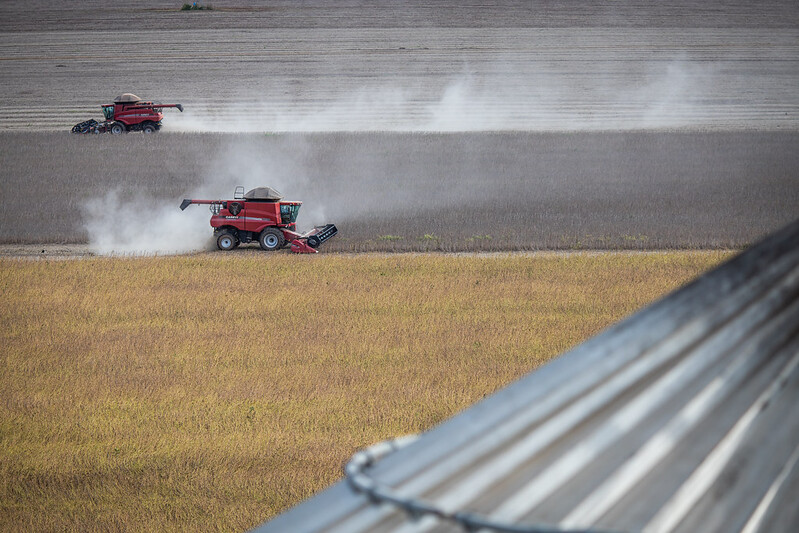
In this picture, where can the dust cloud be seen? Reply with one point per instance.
(667, 94)
(250, 162)
(137, 224)
(666, 97)
(144, 226)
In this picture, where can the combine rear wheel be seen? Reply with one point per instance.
(226, 241)
(148, 127)
(118, 128)
(271, 239)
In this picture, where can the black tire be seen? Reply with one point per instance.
(117, 128)
(226, 241)
(234, 208)
(314, 242)
(148, 127)
(271, 239)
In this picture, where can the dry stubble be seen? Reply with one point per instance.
(211, 392)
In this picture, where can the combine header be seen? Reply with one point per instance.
(261, 215)
(127, 113)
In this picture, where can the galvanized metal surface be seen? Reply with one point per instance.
(681, 418)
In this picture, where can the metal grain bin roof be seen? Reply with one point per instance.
(683, 417)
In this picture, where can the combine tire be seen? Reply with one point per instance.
(148, 127)
(271, 239)
(226, 241)
(117, 128)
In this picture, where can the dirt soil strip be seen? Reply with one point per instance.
(45, 251)
(83, 251)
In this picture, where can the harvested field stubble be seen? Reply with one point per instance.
(367, 65)
(416, 192)
(211, 392)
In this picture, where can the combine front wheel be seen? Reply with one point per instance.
(271, 239)
(226, 241)
(118, 128)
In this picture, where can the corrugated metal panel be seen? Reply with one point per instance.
(682, 417)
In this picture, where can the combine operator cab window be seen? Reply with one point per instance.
(288, 213)
(108, 112)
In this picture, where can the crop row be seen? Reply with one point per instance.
(208, 393)
(416, 192)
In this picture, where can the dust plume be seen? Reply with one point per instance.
(667, 96)
(662, 94)
(147, 223)
(143, 226)
(252, 161)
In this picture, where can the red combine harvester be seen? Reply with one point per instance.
(127, 113)
(261, 215)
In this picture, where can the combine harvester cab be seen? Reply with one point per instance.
(261, 215)
(127, 113)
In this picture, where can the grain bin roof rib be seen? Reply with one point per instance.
(681, 417)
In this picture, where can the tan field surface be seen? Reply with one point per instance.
(210, 392)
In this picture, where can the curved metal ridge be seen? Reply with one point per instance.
(357, 477)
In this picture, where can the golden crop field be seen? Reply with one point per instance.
(212, 391)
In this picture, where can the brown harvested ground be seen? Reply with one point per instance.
(409, 66)
(678, 121)
(417, 192)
